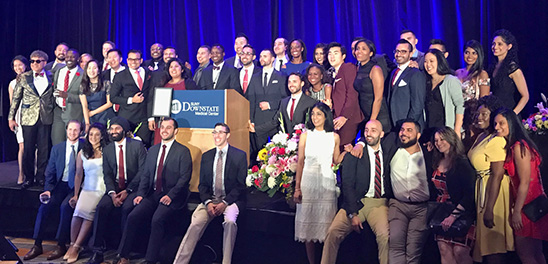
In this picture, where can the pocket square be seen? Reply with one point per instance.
(402, 83)
(274, 81)
(337, 80)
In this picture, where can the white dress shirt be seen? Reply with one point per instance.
(134, 75)
(216, 73)
(168, 147)
(237, 63)
(268, 72)
(40, 82)
(371, 152)
(408, 175)
(402, 68)
(60, 85)
(249, 69)
(297, 97)
(113, 72)
(68, 152)
(276, 65)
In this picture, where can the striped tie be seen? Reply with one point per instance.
(377, 175)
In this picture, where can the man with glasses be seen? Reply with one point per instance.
(130, 89)
(156, 63)
(249, 70)
(222, 190)
(220, 75)
(406, 88)
(34, 92)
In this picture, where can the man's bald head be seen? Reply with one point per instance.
(373, 133)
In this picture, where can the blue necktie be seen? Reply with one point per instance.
(72, 167)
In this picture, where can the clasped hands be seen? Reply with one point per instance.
(216, 209)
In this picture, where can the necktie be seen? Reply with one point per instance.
(377, 175)
(139, 80)
(216, 68)
(39, 74)
(265, 81)
(218, 192)
(121, 172)
(292, 108)
(159, 171)
(281, 64)
(246, 81)
(72, 167)
(106, 66)
(65, 87)
(394, 76)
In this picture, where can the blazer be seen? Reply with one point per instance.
(299, 115)
(254, 79)
(49, 67)
(234, 176)
(228, 79)
(406, 98)
(344, 96)
(135, 161)
(56, 165)
(461, 180)
(33, 105)
(74, 107)
(273, 93)
(175, 174)
(356, 178)
(230, 62)
(124, 87)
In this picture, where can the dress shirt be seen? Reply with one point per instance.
(117, 151)
(113, 72)
(60, 85)
(40, 82)
(134, 75)
(168, 147)
(269, 72)
(106, 63)
(216, 73)
(408, 175)
(402, 68)
(225, 152)
(371, 151)
(237, 63)
(250, 69)
(55, 62)
(297, 97)
(277, 62)
(68, 151)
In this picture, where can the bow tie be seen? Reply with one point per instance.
(216, 68)
(39, 74)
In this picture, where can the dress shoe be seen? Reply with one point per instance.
(57, 253)
(34, 252)
(97, 258)
(123, 261)
(26, 185)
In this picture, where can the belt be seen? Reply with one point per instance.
(480, 187)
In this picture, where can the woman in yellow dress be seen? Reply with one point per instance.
(494, 237)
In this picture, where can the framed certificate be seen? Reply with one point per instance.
(161, 104)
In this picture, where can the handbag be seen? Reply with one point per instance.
(537, 208)
(459, 228)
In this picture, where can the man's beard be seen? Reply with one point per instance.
(116, 136)
(410, 143)
(374, 142)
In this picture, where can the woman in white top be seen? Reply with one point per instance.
(19, 65)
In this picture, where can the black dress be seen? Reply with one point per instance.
(435, 112)
(364, 86)
(503, 86)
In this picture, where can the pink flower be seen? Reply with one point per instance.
(272, 160)
(281, 151)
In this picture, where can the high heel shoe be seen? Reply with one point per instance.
(66, 256)
(74, 254)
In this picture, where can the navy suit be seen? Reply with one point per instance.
(299, 115)
(60, 191)
(406, 97)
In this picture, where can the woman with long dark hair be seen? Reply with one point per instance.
(19, 64)
(522, 165)
(89, 161)
(320, 56)
(315, 182)
(316, 85)
(475, 80)
(507, 80)
(297, 58)
(95, 96)
(444, 105)
(178, 76)
(454, 178)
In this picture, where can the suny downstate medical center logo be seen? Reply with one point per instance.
(195, 107)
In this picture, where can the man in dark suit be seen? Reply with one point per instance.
(156, 62)
(60, 53)
(163, 189)
(202, 56)
(58, 190)
(34, 93)
(131, 90)
(107, 45)
(67, 96)
(222, 190)
(122, 160)
(248, 69)
(293, 109)
(220, 75)
(407, 87)
(364, 182)
(417, 56)
(239, 42)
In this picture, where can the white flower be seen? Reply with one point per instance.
(293, 166)
(291, 145)
(280, 138)
(249, 181)
(271, 182)
(537, 117)
(270, 168)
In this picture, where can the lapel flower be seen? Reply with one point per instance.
(77, 74)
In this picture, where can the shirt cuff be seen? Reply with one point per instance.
(225, 202)
(207, 201)
(111, 192)
(129, 100)
(151, 119)
(361, 143)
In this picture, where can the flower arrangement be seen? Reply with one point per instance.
(538, 122)
(277, 164)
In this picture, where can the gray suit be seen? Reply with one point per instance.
(73, 108)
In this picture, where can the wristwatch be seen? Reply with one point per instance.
(350, 216)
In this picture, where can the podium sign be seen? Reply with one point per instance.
(198, 109)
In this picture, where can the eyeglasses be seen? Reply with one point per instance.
(400, 51)
(246, 53)
(134, 60)
(36, 61)
(215, 132)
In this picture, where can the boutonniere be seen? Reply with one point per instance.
(148, 77)
(77, 74)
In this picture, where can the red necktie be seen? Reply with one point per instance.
(377, 175)
(245, 81)
(106, 66)
(292, 108)
(160, 169)
(121, 173)
(139, 80)
(394, 76)
(65, 88)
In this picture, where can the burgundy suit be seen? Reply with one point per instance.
(345, 103)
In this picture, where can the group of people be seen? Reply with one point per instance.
(428, 133)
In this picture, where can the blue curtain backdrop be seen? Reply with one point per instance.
(136, 24)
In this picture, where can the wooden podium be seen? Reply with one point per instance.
(197, 112)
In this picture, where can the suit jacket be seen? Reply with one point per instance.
(254, 79)
(124, 87)
(356, 177)
(150, 62)
(49, 67)
(228, 79)
(344, 96)
(234, 176)
(406, 98)
(175, 174)
(273, 93)
(56, 165)
(33, 105)
(299, 115)
(74, 107)
(135, 161)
